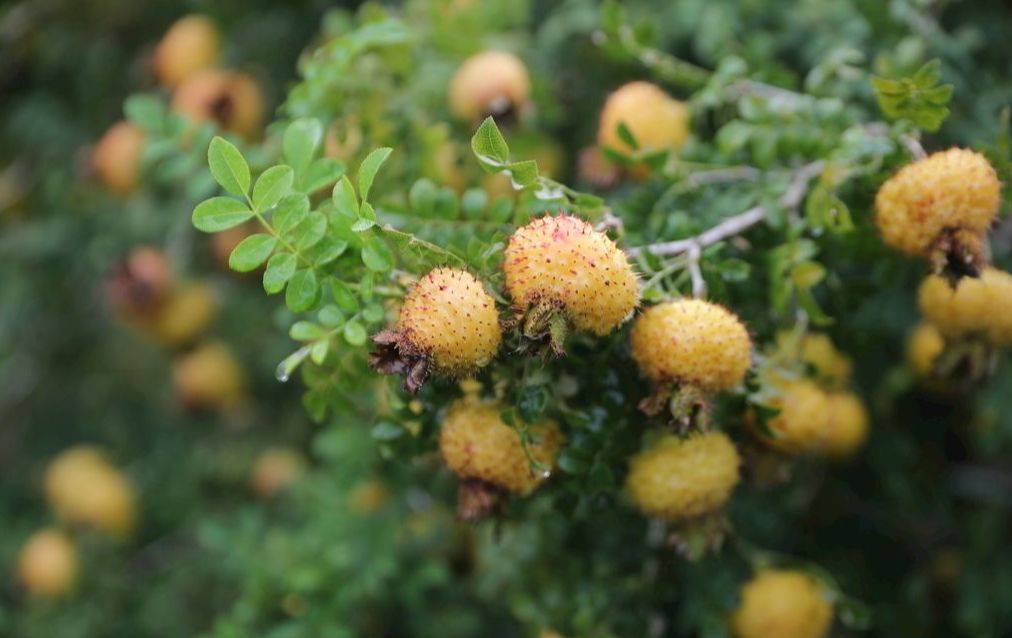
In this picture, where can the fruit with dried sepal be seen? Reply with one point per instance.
(231, 99)
(489, 456)
(448, 325)
(940, 207)
(561, 268)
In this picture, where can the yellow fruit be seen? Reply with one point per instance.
(84, 488)
(563, 260)
(190, 44)
(368, 496)
(208, 377)
(681, 478)
(691, 341)
(980, 306)
(923, 347)
(232, 100)
(117, 157)
(656, 120)
(477, 444)
(450, 318)
(802, 424)
(47, 564)
(275, 470)
(782, 603)
(184, 315)
(489, 83)
(953, 190)
(848, 425)
(831, 366)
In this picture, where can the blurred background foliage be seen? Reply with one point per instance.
(366, 544)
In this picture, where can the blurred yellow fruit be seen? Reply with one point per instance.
(190, 45)
(782, 603)
(84, 488)
(832, 367)
(276, 469)
(209, 377)
(978, 306)
(47, 564)
(185, 315)
(232, 100)
(116, 157)
(802, 425)
(489, 83)
(368, 496)
(848, 425)
(952, 190)
(924, 345)
(682, 478)
(656, 120)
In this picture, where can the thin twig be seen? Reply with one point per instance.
(913, 146)
(698, 283)
(791, 199)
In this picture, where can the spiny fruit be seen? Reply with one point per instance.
(84, 488)
(848, 425)
(656, 120)
(116, 157)
(448, 324)
(831, 367)
(477, 444)
(979, 306)
(489, 83)
(782, 603)
(208, 377)
(693, 342)
(184, 315)
(191, 44)
(802, 424)
(563, 262)
(47, 564)
(275, 469)
(950, 192)
(231, 99)
(924, 345)
(681, 478)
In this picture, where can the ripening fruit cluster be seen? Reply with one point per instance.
(816, 415)
(677, 479)
(783, 603)
(184, 63)
(84, 488)
(691, 341)
(477, 444)
(956, 191)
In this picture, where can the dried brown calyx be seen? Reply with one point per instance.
(958, 253)
(478, 500)
(395, 354)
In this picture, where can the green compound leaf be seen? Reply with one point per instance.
(918, 98)
(367, 171)
(252, 252)
(280, 269)
(272, 185)
(228, 166)
(220, 213)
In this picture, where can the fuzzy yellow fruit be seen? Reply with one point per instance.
(208, 377)
(84, 488)
(563, 260)
(952, 190)
(276, 469)
(816, 349)
(477, 444)
(192, 43)
(980, 306)
(450, 318)
(185, 314)
(924, 345)
(489, 83)
(656, 120)
(802, 424)
(782, 603)
(116, 157)
(848, 425)
(232, 100)
(678, 479)
(47, 564)
(691, 341)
